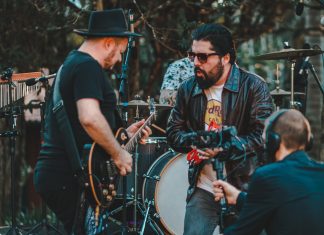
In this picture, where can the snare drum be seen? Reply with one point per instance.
(169, 193)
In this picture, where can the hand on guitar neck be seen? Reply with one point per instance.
(139, 126)
(122, 161)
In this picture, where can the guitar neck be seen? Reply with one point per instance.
(132, 141)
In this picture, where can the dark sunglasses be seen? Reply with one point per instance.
(202, 57)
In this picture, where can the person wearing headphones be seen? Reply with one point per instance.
(286, 196)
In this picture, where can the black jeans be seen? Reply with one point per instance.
(201, 214)
(64, 203)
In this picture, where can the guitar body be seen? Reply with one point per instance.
(103, 174)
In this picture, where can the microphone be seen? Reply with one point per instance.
(305, 62)
(300, 8)
(6, 74)
(33, 81)
(304, 65)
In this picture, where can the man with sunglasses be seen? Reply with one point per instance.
(220, 94)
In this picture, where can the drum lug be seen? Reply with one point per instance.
(154, 177)
(156, 215)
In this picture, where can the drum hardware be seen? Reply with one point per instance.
(281, 93)
(152, 223)
(140, 104)
(172, 169)
(154, 177)
(134, 197)
(278, 93)
(291, 55)
(11, 134)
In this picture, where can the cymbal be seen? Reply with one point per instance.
(288, 54)
(280, 92)
(143, 104)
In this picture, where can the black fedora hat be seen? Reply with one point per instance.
(108, 23)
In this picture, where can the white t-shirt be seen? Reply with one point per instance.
(213, 112)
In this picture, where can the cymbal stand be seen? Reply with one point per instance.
(277, 100)
(12, 133)
(151, 222)
(292, 77)
(293, 103)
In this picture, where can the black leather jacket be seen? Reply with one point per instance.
(246, 103)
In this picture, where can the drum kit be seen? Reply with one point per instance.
(156, 188)
(159, 182)
(291, 55)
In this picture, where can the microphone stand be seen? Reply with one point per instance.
(123, 94)
(12, 133)
(313, 71)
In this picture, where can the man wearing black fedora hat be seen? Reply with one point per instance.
(90, 104)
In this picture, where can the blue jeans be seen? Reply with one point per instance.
(201, 214)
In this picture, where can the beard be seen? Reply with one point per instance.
(205, 81)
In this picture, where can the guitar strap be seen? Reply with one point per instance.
(71, 149)
(66, 129)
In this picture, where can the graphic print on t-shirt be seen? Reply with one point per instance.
(213, 113)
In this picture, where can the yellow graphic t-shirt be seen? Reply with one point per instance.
(213, 113)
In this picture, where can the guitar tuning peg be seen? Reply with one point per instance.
(105, 192)
(111, 187)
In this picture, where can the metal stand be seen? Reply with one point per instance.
(43, 227)
(293, 104)
(12, 133)
(151, 222)
(134, 201)
(313, 71)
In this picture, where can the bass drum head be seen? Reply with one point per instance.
(170, 192)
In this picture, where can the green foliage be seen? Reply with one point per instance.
(34, 33)
(38, 34)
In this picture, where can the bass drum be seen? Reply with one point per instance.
(169, 193)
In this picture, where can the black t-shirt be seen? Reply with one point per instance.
(81, 77)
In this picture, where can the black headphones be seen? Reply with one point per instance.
(273, 139)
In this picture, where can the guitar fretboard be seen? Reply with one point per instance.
(133, 141)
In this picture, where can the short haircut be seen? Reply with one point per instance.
(293, 129)
(219, 37)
